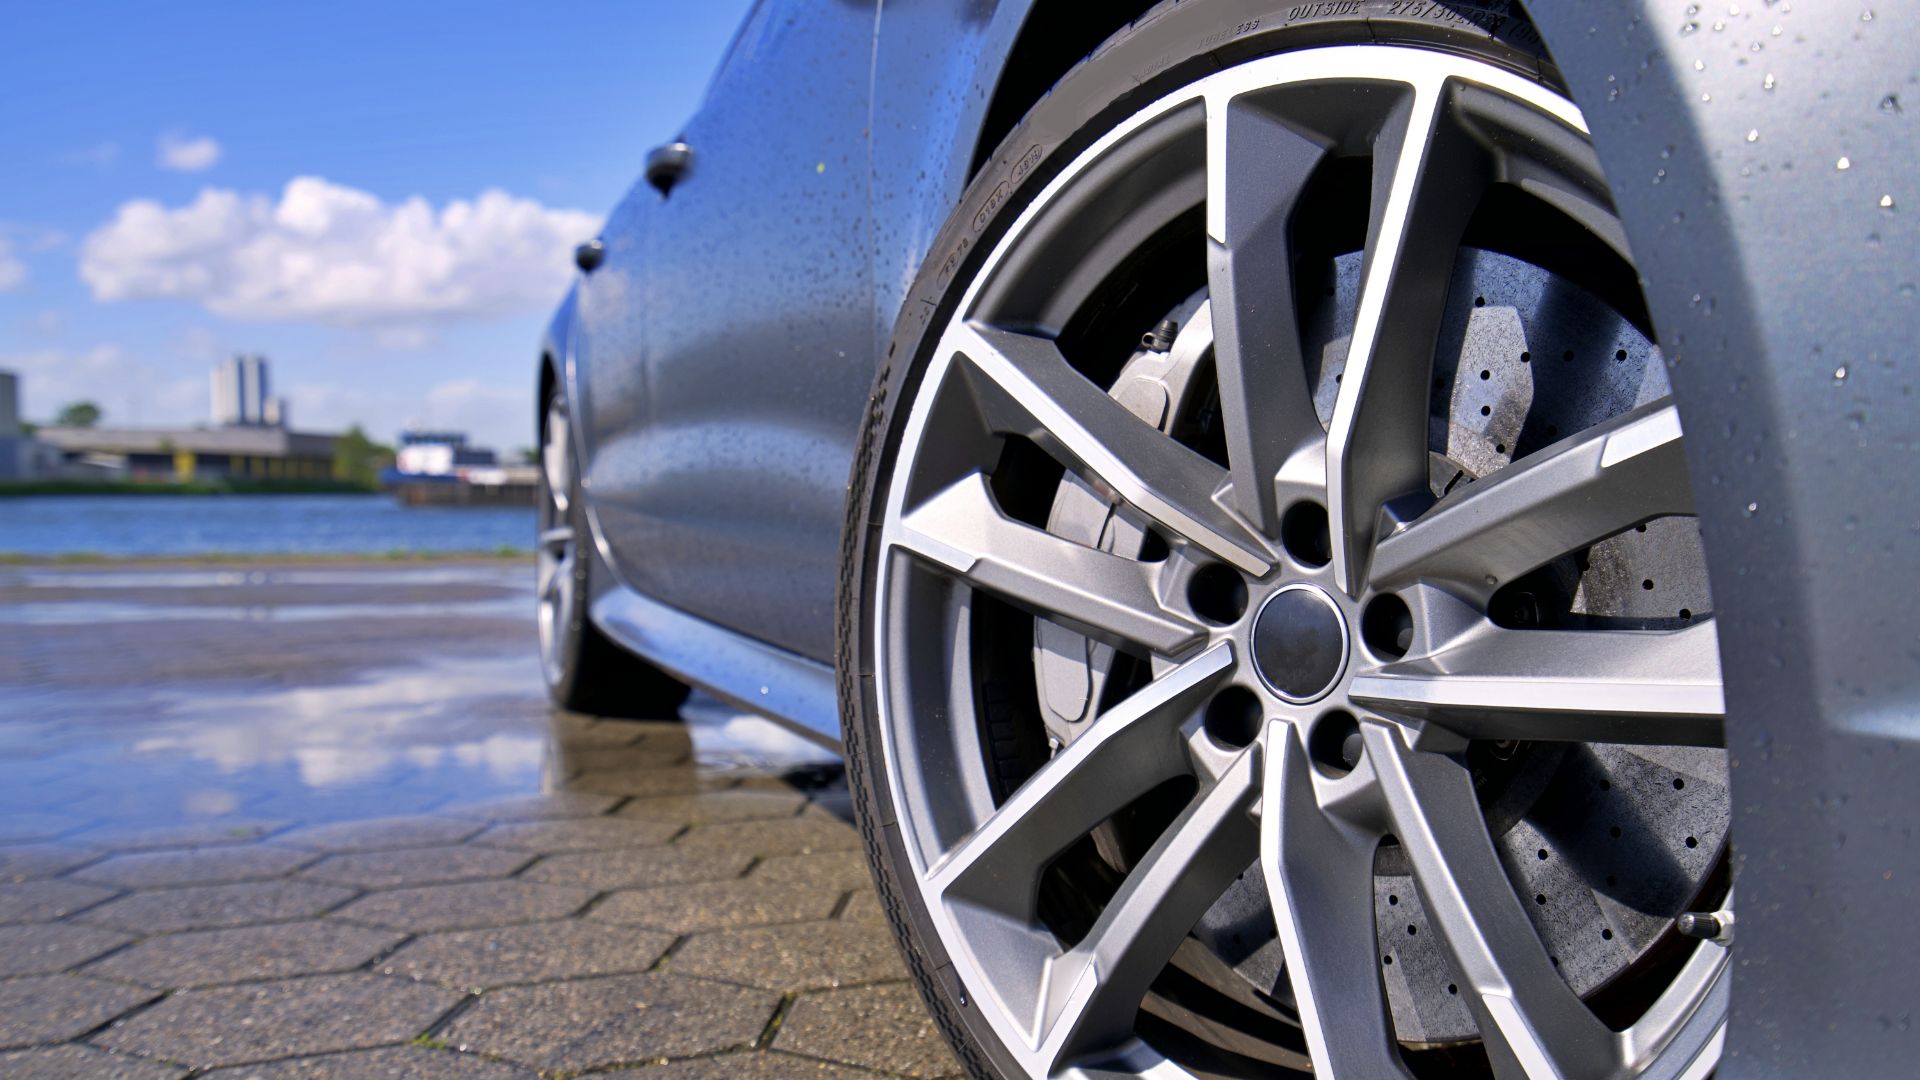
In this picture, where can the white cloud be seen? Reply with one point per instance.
(130, 392)
(182, 154)
(100, 155)
(13, 272)
(331, 254)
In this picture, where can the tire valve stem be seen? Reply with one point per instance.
(1160, 338)
(1714, 926)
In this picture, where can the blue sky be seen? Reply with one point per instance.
(379, 197)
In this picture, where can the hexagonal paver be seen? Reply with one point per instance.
(417, 866)
(579, 733)
(391, 1063)
(678, 781)
(880, 1027)
(794, 836)
(864, 907)
(845, 870)
(474, 959)
(638, 867)
(717, 905)
(23, 828)
(212, 957)
(197, 866)
(800, 956)
(26, 862)
(595, 1023)
(40, 901)
(645, 756)
(206, 907)
(754, 1065)
(54, 1008)
(262, 1021)
(209, 833)
(44, 948)
(715, 806)
(74, 1060)
(381, 834)
(577, 834)
(463, 907)
(556, 804)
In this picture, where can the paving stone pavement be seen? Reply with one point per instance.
(541, 936)
(514, 893)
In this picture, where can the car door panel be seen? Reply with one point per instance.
(721, 476)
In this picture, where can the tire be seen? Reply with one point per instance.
(584, 671)
(1003, 738)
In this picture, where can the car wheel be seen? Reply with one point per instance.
(584, 671)
(1274, 633)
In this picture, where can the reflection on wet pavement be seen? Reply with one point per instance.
(324, 816)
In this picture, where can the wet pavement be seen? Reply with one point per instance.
(316, 821)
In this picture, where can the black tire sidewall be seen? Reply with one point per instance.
(1171, 46)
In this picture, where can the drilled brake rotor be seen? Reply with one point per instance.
(1604, 844)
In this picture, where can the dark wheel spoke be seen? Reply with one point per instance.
(1127, 751)
(1101, 981)
(1319, 872)
(1566, 497)
(1257, 168)
(1094, 592)
(1618, 686)
(1428, 176)
(1533, 1024)
(1032, 391)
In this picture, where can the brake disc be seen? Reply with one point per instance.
(1604, 844)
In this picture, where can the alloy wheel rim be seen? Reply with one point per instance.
(1414, 702)
(554, 567)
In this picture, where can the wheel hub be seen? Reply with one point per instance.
(1300, 643)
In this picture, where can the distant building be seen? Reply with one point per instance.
(225, 453)
(13, 452)
(439, 453)
(240, 397)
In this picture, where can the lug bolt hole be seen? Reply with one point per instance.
(1387, 626)
(1303, 530)
(1334, 743)
(1218, 594)
(1233, 716)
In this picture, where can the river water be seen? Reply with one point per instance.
(121, 525)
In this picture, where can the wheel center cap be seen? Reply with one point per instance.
(1300, 643)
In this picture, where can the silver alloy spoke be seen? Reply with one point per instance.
(557, 457)
(1615, 686)
(1257, 167)
(1094, 592)
(1319, 874)
(1564, 498)
(1428, 177)
(1124, 753)
(557, 537)
(1095, 989)
(1041, 397)
(1533, 1024)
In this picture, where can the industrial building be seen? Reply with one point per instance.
(241, 395)
(249, 440)
(186, 455)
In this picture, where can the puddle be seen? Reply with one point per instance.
(309, 710)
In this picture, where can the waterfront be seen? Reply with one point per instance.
(192, 525)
